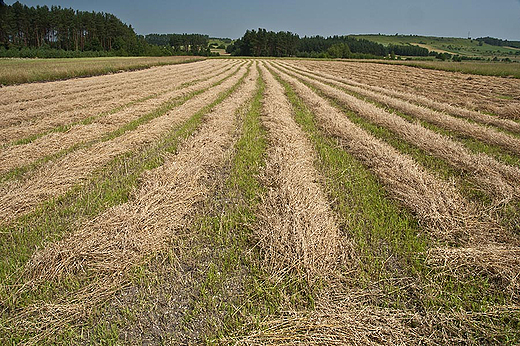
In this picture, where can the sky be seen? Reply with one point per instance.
(231, 18)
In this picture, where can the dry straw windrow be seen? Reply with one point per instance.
(64, 96)
(435, 202)
(35, 120)
(57, 177)
(335, 325)
(348, 322)
(500, 263)
(506, 124)
(483, 133)
(492, 94)
(51, 91)
(498, 179)
(108, 246)
(296, 228)
(20, 155)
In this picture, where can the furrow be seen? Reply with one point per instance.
(296, 227)
(56, 177)
(52, 143)
(107, 248)
(34, 120)
(483, 118)
(435, 202)
(499, 180)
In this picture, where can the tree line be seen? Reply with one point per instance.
(284, 43)
(181, 43)
(63, 32)
(498, 42)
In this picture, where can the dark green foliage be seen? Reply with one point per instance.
(408, 50)
(339, 50)
(195, 44)
(315, 45)
(43, 32)
(281, 44)
(498, 42)
(265, 43)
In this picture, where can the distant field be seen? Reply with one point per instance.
(453, 45)
(499, 69)
(222, 52)
(16, 71)
(483, 68)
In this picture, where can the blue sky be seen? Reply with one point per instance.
(230, 18)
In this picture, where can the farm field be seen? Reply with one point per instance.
(16, 71)
(261, 202)
(498, 69)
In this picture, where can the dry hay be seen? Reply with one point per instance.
(499, 180)
(500, 263)
(328, 326)
(483, 133)
(483, 118)
(296, 227)
(56, 178)
(435, 202)
(34, 120)
(351, 323)
(52, 143)
(25, 94)
(110, 245)
(61, 100)
(474, 92)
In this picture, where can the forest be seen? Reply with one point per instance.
(181, 43)
(283, 43)
(64, 32)
(498, 42)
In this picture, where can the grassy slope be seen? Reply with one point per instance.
(16, 71)
(455, 45)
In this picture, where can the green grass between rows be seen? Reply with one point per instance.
(390, 246)
(58, 217)
(19, 172)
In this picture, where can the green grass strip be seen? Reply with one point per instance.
(474, 145)
(470, 189)
(389, 245)
(109, 187)
(91, 119)
(19, 172)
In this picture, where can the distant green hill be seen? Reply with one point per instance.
(452, 45)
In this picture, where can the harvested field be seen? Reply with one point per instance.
(15, 71)
(484, 93)
(233, 201)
